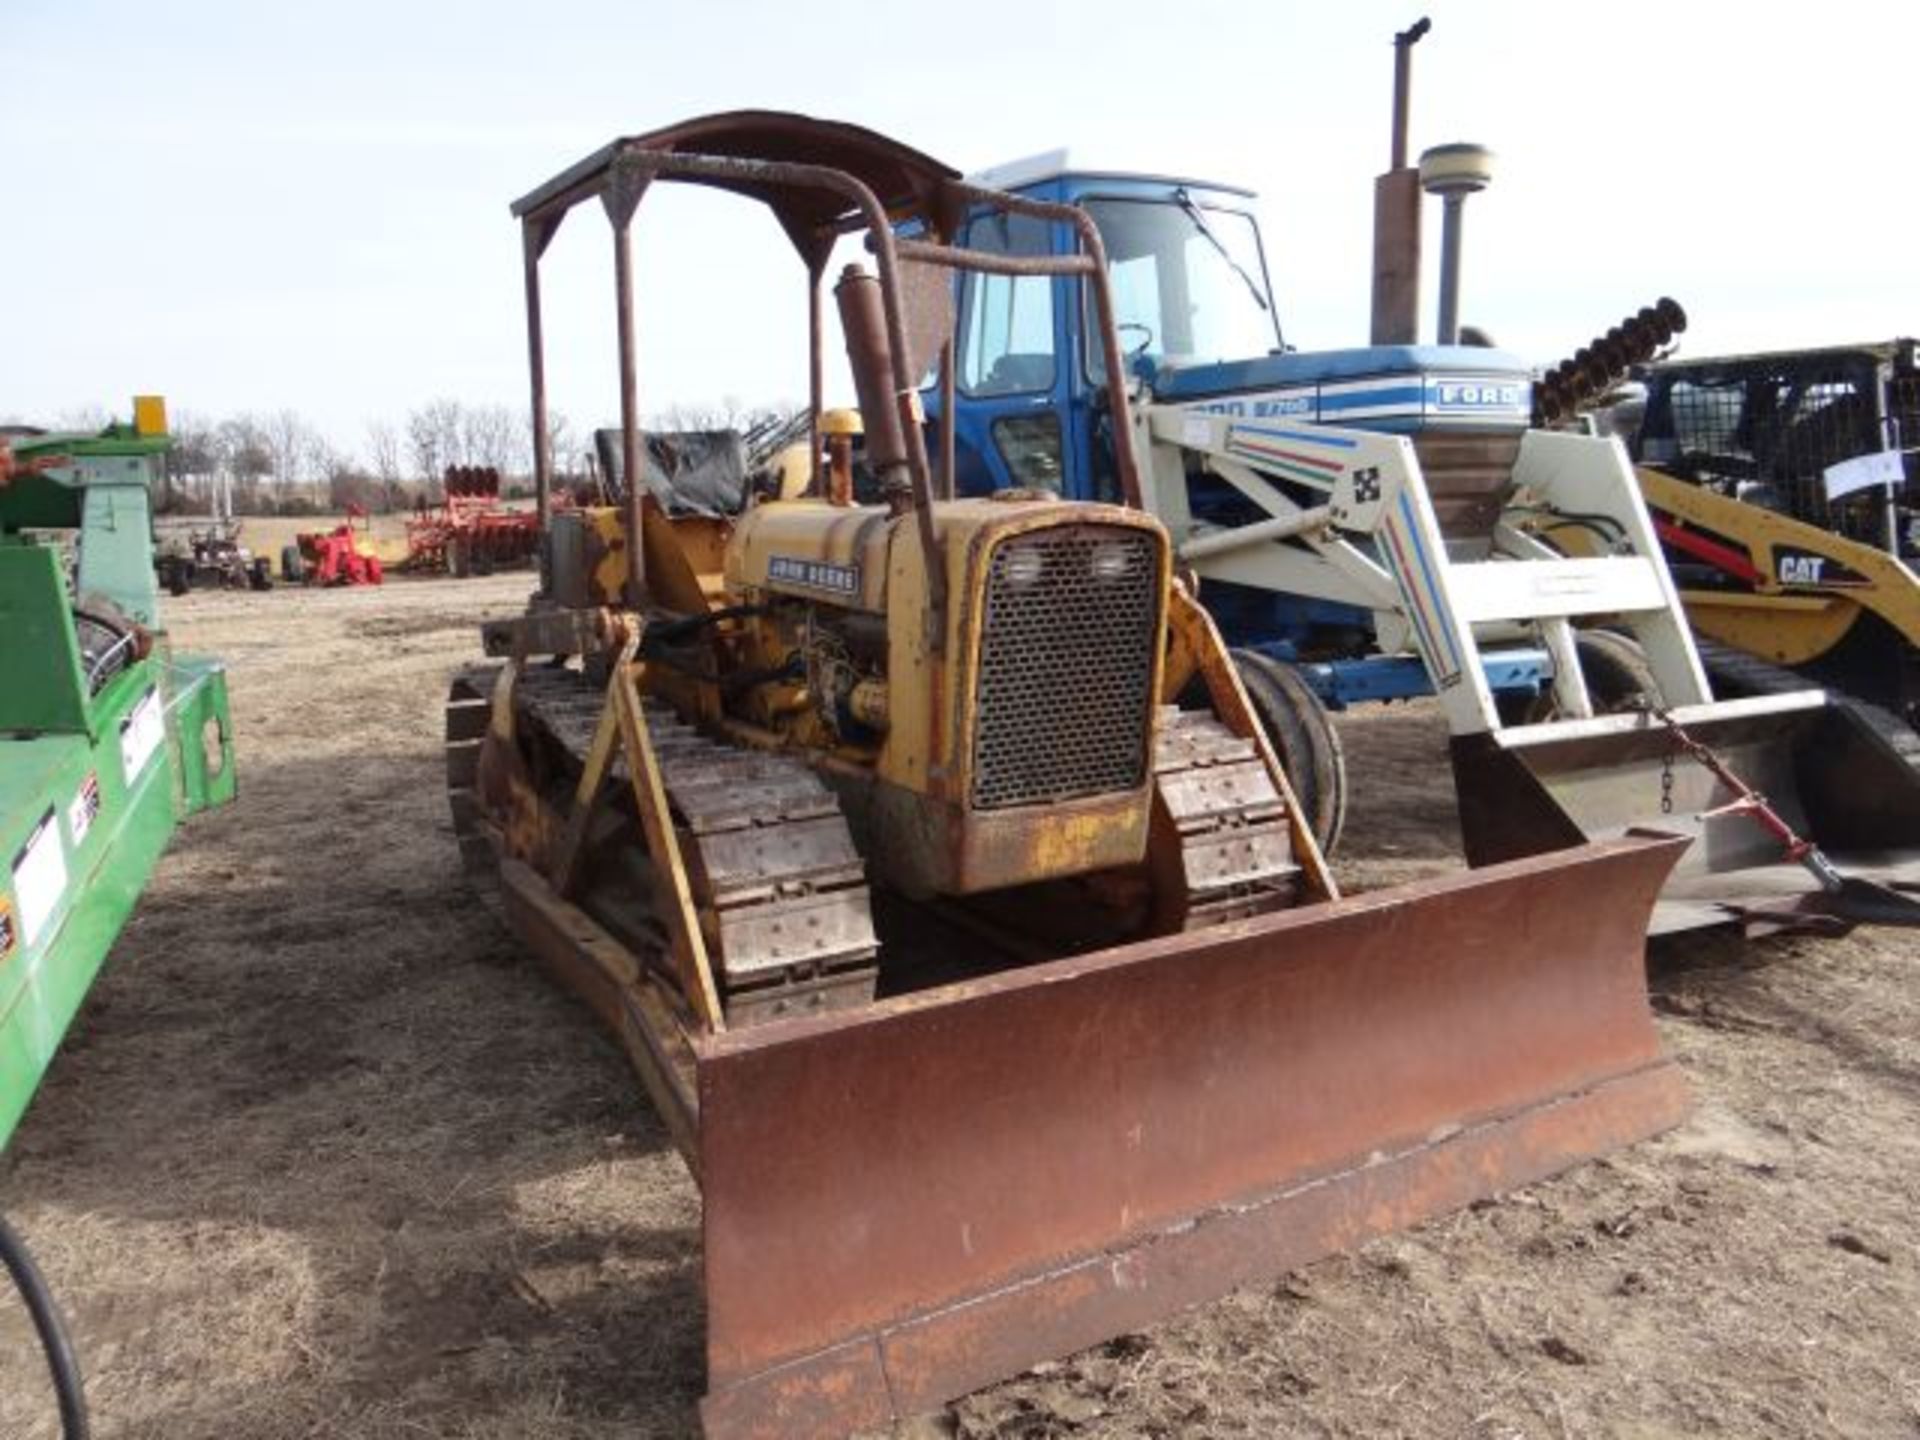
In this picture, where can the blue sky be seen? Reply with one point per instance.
(248, 206)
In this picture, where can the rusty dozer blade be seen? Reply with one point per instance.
(1803, 816)
(907, 1203)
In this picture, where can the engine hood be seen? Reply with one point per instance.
(1378, 387)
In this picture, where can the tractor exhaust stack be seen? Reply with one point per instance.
(1396, 213)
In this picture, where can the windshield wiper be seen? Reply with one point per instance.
(1185, 202)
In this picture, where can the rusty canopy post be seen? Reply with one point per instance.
(621, 198)
(816, 379)
(534, 238)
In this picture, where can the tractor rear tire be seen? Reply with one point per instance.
(1618, 674)
(1303, 739)
(293, 565)
(179, 578)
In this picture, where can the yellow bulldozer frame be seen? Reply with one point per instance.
(975, 1065)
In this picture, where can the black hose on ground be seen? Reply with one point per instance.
(54, 1339)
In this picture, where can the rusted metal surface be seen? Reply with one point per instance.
(622, 214)
(996, 1172)
(1605, 360)
(904, 179)
(604, 973)
(534, 238)
(823, 179)
(755, 881)
(1196, 650)
(1470, 481)
(863, 324)
(1396, 214)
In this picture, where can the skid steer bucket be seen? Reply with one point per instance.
(1822, 769)
(905, 1202)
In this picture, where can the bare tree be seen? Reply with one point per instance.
(244, 457)
(489, 436)
(191, 461)
(383, 454)
(436, 439)
(564, 444)
(83, 419)
(291, 443)
(349, 485)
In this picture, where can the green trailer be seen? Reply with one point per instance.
(107, 738)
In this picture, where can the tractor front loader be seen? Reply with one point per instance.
(1384, 522)
(932, 868)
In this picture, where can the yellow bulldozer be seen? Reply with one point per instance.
(931, 867)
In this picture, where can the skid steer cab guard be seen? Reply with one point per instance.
(990, 1119)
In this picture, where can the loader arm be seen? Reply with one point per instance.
(1374, 541)
(1348, 517)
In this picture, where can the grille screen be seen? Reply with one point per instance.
(1066, 665)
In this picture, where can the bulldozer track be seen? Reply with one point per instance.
(779, 889)
(1236, 842)
(1744, 674)
(778, 885)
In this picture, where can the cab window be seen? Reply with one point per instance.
(1006, 326)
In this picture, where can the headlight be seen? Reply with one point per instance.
(1022, 568)
(1111, 561)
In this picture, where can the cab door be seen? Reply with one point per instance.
(1010, 370)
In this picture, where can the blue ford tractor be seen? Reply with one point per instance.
(1378, 523)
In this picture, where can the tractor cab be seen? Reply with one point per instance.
(1194, 306)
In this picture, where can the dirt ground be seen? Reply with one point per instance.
(325, 1157)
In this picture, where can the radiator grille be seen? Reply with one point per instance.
(1066, 666)
(1470, 479)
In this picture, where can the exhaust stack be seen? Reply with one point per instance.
(1396, 214)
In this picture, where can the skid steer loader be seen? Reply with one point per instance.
(931, 866)
(1784, 486)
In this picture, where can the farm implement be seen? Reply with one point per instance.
(470, 531)
(343, 555)
(932, 867)
(107, 740)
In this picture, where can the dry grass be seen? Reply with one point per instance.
(324, 1157)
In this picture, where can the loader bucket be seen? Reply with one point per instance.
(1833, 778)
(908, 1202)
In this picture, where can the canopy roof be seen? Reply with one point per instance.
(907, 183)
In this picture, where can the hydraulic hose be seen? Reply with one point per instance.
(54, 1339)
